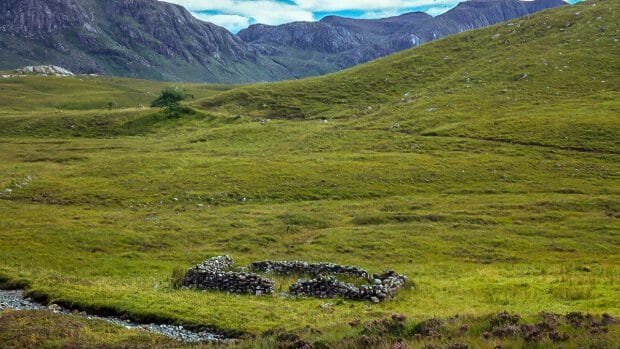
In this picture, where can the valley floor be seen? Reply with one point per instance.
(484, 166)
(478, 226)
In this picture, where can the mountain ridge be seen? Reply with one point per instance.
(161, 41)
(297, 42)
(135, 38)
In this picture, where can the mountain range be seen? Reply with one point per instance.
(156, 40)
(335, 43)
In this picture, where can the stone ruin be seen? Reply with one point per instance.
(301, 268)
(216, 274)
(382, 287)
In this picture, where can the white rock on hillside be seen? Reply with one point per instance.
(45, 70)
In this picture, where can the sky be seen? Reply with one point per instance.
(239, 14)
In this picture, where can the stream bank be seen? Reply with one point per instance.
(17, 300)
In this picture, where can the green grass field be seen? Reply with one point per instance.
(485, 166)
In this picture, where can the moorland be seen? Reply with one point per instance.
(485, 166)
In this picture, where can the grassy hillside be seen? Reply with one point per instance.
(45, 94)
(550, 79)
(85, 105)
(490, 189)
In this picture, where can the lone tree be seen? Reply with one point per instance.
(170, 100)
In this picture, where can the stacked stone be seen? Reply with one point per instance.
(215, 274)
(324, 287)
(220, 263)
(301, 267)
(384, 286)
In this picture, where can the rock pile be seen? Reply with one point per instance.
(384, 286)
(44, 70)
(301, 267)
(215, 274)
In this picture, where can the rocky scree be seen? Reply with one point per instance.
(44, 70)
(39, 70)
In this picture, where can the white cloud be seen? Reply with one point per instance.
(261, 11)
(236, 14)
(233, 23)
(365, 5)
(380, 14)
(436, 11)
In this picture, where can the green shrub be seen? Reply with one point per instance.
(170, 100)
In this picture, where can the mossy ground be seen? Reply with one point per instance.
(490, 190)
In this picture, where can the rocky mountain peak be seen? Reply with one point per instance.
(136, 38)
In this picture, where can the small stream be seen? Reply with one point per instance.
(16, 300)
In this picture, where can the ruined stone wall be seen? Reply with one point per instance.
(382, 287)
(215, 274)
(301, 268)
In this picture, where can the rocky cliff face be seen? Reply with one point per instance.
(345, 42)
(34, 19)
(316, 36)
(138, 38)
